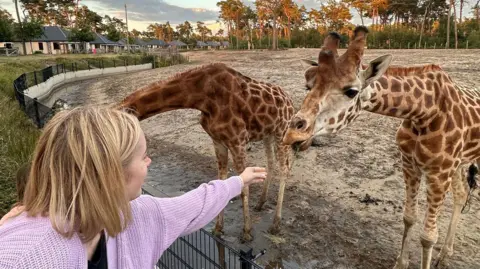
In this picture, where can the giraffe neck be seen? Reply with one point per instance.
(185, 90)
(415, 96)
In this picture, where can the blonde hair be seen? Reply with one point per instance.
(77, 173)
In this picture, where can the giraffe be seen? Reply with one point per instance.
(438, 138)
(235, 109)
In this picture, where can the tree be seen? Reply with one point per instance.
(227, 15)
(292, 13)
(249, 18)
(81, 34)
(184, 31)
(271, 9)
(6, 26)
(29, 30)
(87, 18)
(361, 6)
(337, 16)
(447, 45)
(455, 22)
(202, 30)
(476, 10)
(135, 33)
(21, 30)
(114, 28)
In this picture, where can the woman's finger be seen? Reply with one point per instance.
(258, 169)
(260, 175)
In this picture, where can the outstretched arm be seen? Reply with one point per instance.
(165, 219)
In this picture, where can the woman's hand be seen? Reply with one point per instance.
(13, 213)
(253, 175)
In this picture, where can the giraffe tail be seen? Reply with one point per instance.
(471, 176)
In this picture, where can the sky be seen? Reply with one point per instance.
(141, 13)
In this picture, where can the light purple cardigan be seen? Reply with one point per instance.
(157, 223)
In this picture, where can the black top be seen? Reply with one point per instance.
(99, 258)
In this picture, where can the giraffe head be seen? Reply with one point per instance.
(337, 86)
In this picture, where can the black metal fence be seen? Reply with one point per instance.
(40, 113)
(202, 249)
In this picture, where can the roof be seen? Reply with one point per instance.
(53, 33)
(123, 42)
(213, 43)
(201, 44)
(177, 43)
(140, 42)
(101, 39)
(156, 42)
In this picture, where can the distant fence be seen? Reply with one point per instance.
(40, 113)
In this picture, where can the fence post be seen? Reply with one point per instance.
(435, 45)
(114, 65)
(37, 114)
(135, 61)
(76, 67)
(425, 46)
(467, 44)
(35, 75)
(244, 256)
(88, 63)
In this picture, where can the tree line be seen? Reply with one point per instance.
(274, 23)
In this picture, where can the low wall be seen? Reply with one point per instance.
(43, 90)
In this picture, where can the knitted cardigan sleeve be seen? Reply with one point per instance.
(191, 211)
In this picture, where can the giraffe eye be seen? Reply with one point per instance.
(351, 92)
(307, 88)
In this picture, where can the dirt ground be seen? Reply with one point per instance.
(325, 223)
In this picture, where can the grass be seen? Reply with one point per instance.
(18, 134)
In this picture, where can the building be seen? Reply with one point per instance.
(54, 40)
(101, 44)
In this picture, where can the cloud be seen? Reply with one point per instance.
(149, 11)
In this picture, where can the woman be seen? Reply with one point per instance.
(82, 206)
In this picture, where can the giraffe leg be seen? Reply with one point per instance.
(460, 191)
(239, 157)
(437, 186)
(222, 162)
(412, 184)
(283, 153)
(269, 152)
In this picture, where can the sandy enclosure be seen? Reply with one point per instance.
(325, 222)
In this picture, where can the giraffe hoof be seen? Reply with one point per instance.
(439, 263)
(259, 207)
(401, 265)
(217, 232)
(274, 229)
(247, 237)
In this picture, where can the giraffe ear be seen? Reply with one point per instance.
(308, 63)
(375, 69)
